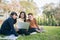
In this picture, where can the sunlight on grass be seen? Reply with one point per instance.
(52, 33)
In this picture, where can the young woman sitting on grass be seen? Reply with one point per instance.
(22, 19)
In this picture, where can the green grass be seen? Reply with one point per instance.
(52, 33)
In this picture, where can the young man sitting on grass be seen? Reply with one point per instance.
(33, 24)
(7, 27)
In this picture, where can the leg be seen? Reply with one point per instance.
(41, 29)
(32, 30)
(15, 33)
(23, 31)
(38, 30)
(26, 32)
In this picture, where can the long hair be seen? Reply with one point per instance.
(24, 15)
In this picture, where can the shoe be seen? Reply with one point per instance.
(33, 33)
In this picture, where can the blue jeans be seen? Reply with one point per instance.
(32, 30)
(23, 31)
(7, 33)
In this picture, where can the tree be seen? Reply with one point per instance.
(28, 7)
(49, 11)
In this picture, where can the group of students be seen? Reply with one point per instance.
(7, 28)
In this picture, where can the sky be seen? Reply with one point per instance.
(41, 3)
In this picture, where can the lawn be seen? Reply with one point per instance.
(52, 33)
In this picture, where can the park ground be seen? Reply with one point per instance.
(52, 33)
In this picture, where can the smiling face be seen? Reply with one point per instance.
(14, 17)
(30, 17)
(22, 15)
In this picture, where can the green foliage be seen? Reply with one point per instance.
(52, 33)
(52, 15)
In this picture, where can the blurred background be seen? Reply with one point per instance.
(46, 12)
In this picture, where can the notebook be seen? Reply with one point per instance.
(23, 25)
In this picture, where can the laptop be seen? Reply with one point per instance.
(23, 25)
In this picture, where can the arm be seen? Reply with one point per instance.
(36, 23)
(12, 26)
(16, 25)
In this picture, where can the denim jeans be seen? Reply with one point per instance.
(23, 31)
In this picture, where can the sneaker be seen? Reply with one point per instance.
(33, 33)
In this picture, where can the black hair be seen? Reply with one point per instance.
(15, 21)
(24, 15)
(14, 13)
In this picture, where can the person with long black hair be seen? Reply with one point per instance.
(22, 18)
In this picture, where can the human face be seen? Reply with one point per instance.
(30, 17)
(14, 17)
(22, 15)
